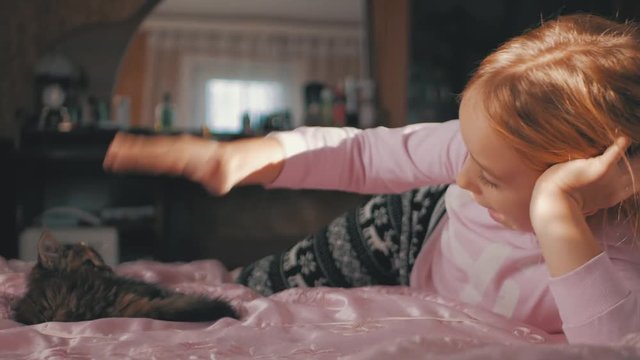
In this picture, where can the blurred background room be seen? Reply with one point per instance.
(74, 72)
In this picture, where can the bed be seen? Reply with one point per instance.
(314, 323)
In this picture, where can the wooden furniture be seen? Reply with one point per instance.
(65, 169)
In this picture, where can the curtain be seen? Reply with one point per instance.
(182, 56)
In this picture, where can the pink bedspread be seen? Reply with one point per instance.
(320, 323)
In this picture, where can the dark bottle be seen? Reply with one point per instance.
(351, 101)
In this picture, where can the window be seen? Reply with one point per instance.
(228, 100)
(216, 92)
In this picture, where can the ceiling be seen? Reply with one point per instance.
(315, 10)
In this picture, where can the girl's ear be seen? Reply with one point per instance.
(48, 250)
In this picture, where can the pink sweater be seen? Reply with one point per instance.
(470, 257)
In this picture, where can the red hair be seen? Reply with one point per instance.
(564, 90)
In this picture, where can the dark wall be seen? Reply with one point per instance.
(450, 38)
(7, 199)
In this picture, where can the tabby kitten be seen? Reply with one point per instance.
(72, 283)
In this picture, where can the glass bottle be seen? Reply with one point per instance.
(165, 113)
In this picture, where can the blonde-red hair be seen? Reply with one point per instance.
(564, 90)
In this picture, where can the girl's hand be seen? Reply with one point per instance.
(216, 165)
(566, 193)
(189, 156)
(590, 184)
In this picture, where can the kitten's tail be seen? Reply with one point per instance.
(184, 307)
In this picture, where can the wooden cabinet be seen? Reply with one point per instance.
(65, 169)
(390, 22)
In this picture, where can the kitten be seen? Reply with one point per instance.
(72, 283)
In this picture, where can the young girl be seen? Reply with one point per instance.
(541, 215)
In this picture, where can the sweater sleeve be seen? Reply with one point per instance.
(372, 161)
(598, 302)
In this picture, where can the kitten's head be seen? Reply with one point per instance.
(68, 257)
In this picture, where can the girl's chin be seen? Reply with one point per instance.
(502, 220)
(496, 216)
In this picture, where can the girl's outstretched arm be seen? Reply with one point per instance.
(379, 160)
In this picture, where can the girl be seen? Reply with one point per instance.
(541, 215)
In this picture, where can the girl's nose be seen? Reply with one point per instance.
(466, 180)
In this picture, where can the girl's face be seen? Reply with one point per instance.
(493, 172)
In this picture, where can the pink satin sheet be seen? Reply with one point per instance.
(319, 323)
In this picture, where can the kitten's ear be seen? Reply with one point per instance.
(48, 250)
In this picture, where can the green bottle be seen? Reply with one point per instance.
(165, 114)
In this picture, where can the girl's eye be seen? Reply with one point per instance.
(486, 182)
